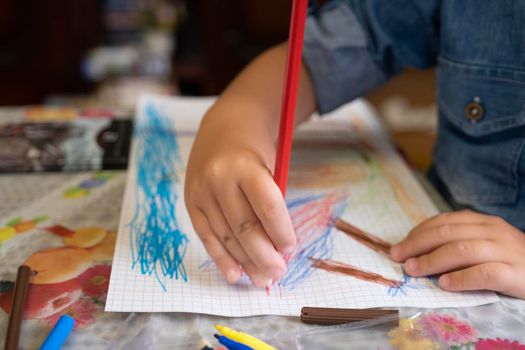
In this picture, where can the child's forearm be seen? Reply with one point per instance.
(254, 97)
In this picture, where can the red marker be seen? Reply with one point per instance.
(291, 84)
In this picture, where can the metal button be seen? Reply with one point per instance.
(474, 110)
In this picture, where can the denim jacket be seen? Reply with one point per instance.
(478, 46)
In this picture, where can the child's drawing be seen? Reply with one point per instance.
(349, 270)
(337, 188)
(312, 220)
(158, 245)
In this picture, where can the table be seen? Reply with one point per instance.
(93, 199)
(76, 216)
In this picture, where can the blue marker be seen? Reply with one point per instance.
(59, 334)
(230, 344)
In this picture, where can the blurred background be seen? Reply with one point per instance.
(94, 57)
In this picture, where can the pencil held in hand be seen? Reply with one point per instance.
(291, 84)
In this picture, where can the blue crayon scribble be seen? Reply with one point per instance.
(413, 283)
(158, 246)
(300, 268)
(312, 219)
(401, 289)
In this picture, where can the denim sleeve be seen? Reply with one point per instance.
(353, 46)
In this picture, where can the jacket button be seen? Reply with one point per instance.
(474, 110)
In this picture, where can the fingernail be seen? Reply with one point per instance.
(269, 283)
(257, 281)
(411, 265)
(232, 276)
(276, 274)
(444, 281)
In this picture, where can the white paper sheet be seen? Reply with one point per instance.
(343, 166)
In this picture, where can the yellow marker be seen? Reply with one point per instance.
(244, 338)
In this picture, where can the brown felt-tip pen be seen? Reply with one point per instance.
(332, 316)
(17, 308)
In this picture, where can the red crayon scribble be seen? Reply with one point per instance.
(349, 270)
(313, 225)
(365, 238)
(310, 220)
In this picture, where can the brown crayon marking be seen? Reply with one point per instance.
(371, 241)
(349, 270)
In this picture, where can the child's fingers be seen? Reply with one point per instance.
(247, 228)
(454, 256)
(224, 261)
(232, 245)
(424, 240)
(268, 204)
(453, 217)
(494, 276)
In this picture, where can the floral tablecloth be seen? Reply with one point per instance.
(64, 225)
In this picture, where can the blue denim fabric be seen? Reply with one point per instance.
(478, 47)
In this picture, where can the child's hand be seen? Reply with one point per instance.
(234, 204)
(472, 252)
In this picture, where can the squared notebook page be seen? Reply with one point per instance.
(343, 166)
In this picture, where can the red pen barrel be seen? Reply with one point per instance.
(289, 100)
